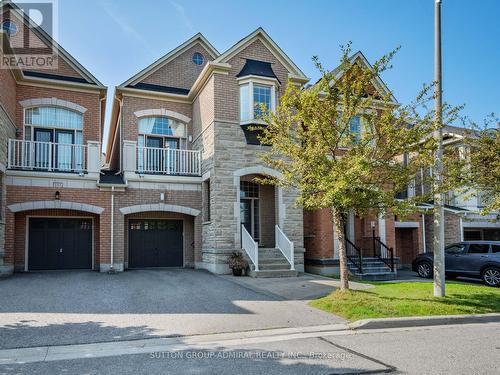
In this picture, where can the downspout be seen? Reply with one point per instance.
(111, 268)
(423, 233)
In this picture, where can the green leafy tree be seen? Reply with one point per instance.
(484, 163)
(315, 149)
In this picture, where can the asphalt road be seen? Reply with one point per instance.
(466, 349)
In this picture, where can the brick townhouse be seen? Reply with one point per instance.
(183, 157)
(177, 186)
(52, 214)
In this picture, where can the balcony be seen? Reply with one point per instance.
(168, 161)
(53, 157)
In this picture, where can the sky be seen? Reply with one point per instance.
(115, 39)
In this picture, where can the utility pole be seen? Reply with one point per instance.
(439, 266)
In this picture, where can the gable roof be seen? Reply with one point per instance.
(380, 85)
(198, 38)
(60, 51)
(261, 35)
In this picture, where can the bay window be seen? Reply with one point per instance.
(257, 98)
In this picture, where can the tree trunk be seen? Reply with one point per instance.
(339, 231)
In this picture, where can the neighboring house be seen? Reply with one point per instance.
(463, 221)
(51, 124)
(183, 157)
(366, 235)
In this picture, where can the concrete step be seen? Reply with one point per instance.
(273, 273)
(376, 276)
(273, 266)
(267, 260)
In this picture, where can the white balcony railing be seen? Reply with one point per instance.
(46, 156)
(286, 246)
(250, 247)
(170, 161)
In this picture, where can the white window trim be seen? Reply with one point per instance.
(250, 81)
(183, 141)
(53, 128)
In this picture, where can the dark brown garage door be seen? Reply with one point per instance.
(155, 243)
(59, 243)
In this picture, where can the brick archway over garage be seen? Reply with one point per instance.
(62, 205)
(159, 207)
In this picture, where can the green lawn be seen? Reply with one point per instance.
(388, 300)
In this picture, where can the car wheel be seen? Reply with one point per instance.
(424, 269)
(491, 276)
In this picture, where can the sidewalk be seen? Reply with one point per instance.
(303, 287)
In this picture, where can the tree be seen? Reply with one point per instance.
(331, 166)
(484, 163)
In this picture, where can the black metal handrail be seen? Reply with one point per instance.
(354, 254)
(383, 252)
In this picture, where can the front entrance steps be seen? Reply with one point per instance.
(272, 263)
(374, 269)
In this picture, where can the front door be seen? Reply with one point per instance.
(249, 214)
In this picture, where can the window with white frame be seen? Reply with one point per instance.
(56, 138)
(156, 134)
(52, 119)
(256, 99)
(355, 128)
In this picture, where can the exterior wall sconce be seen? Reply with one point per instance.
(57, 195)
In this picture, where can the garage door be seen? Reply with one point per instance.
(59, 243)
(155, 243)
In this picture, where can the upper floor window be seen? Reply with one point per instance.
(53, 117)
(355, 127)
(198, 58)
(256, 100)
(158, 141)
(55, 138)
(162, 126)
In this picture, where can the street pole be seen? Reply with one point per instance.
(439, 266)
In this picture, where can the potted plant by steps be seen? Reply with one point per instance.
(237, 263)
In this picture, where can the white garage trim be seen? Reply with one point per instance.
(159, 207)
(42, 205)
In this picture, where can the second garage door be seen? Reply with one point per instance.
(155, 243)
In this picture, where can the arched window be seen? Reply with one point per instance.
(161, 132)
(56, 137)
(159, 138)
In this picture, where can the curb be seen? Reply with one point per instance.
(422, 321)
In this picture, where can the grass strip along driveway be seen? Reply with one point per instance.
(389, 300)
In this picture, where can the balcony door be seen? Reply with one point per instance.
(42, 148)
(64, 150)
(161, 155)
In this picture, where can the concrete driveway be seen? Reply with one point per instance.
(55, 308)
